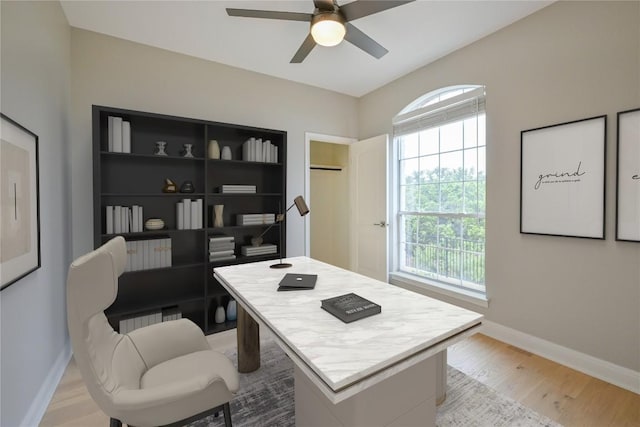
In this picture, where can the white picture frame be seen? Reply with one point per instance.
(628, 176)
(562, 179)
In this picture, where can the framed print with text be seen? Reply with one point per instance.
(562, 179)
(628, 178)
(19, 202)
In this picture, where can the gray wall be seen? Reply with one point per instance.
(117, 73)
(569, 61)
(35, 93)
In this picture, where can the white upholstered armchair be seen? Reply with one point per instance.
(164, 374)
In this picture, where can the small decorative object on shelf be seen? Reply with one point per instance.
(232, 313)
(187, 150)
(187, 187)
(226, 153)
(213, 149)
(154, 224)
(219, 315)
(169, 186)
(217, 221)
(160, 148)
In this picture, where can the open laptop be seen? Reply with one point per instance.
(297, 282)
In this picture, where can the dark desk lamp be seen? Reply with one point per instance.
(299, 203)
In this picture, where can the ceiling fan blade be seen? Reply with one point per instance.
(307, 45)
(364, 42)
(360, 8)
(323, 4)
(270, 14)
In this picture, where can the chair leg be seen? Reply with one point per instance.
(227, 415)
(114, 423)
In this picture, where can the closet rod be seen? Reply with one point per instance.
(325, 168)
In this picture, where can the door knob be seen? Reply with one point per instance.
(381, 224)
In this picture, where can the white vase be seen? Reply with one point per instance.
(232, 313)
(214, 149)
(226, 153)
(217, 220)
(219, 316)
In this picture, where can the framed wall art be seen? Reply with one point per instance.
(628, 178)
(19, 202)
(562, 179)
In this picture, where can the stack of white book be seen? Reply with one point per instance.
(257, 150)
(124, 219)
(255, 219)
(119, 132)
(221, 248)
(264, 249)
(150, 318)
(189, 214)
(238, 189)
(148, 254)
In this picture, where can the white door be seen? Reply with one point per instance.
(369, 213)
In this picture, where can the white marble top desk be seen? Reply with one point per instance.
(343, 359)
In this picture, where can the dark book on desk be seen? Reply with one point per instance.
(350, 307)
(297, 282)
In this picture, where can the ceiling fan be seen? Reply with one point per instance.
(330, 24)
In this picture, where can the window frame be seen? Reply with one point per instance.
(408, 115)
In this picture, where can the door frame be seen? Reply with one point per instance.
(308, 137)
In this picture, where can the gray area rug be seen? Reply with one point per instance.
(266, 399)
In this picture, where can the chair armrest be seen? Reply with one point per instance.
(168, 340)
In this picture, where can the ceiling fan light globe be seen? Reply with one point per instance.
(328, 29)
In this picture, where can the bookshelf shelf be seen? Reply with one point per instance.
(245, 194)
(136, 179)
(219, 162)
(174, 195)
(138, 156)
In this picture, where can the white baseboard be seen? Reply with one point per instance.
(598, 368)
(41, 402)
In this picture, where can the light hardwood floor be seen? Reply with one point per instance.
(562, 394)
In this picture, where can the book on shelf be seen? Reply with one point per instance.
(148, 254)
(124, 219)
(109, 219)
(118, 135)
(257, 150)
(126, 137)
(171, 313)
(110, 133)
(148, 318)
(221, 246)
(213, 254)
(222, 258)
(264, 249)
(255, 219)
(220, 238)
(237, 189)
(189, 214)
(186, 214)
(350, 307)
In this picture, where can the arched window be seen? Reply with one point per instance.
(440, 149)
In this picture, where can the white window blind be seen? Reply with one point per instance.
(452, 110)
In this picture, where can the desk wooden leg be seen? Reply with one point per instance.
(441, 377)
(248, 335)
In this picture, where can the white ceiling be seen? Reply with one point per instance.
(415, 34)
